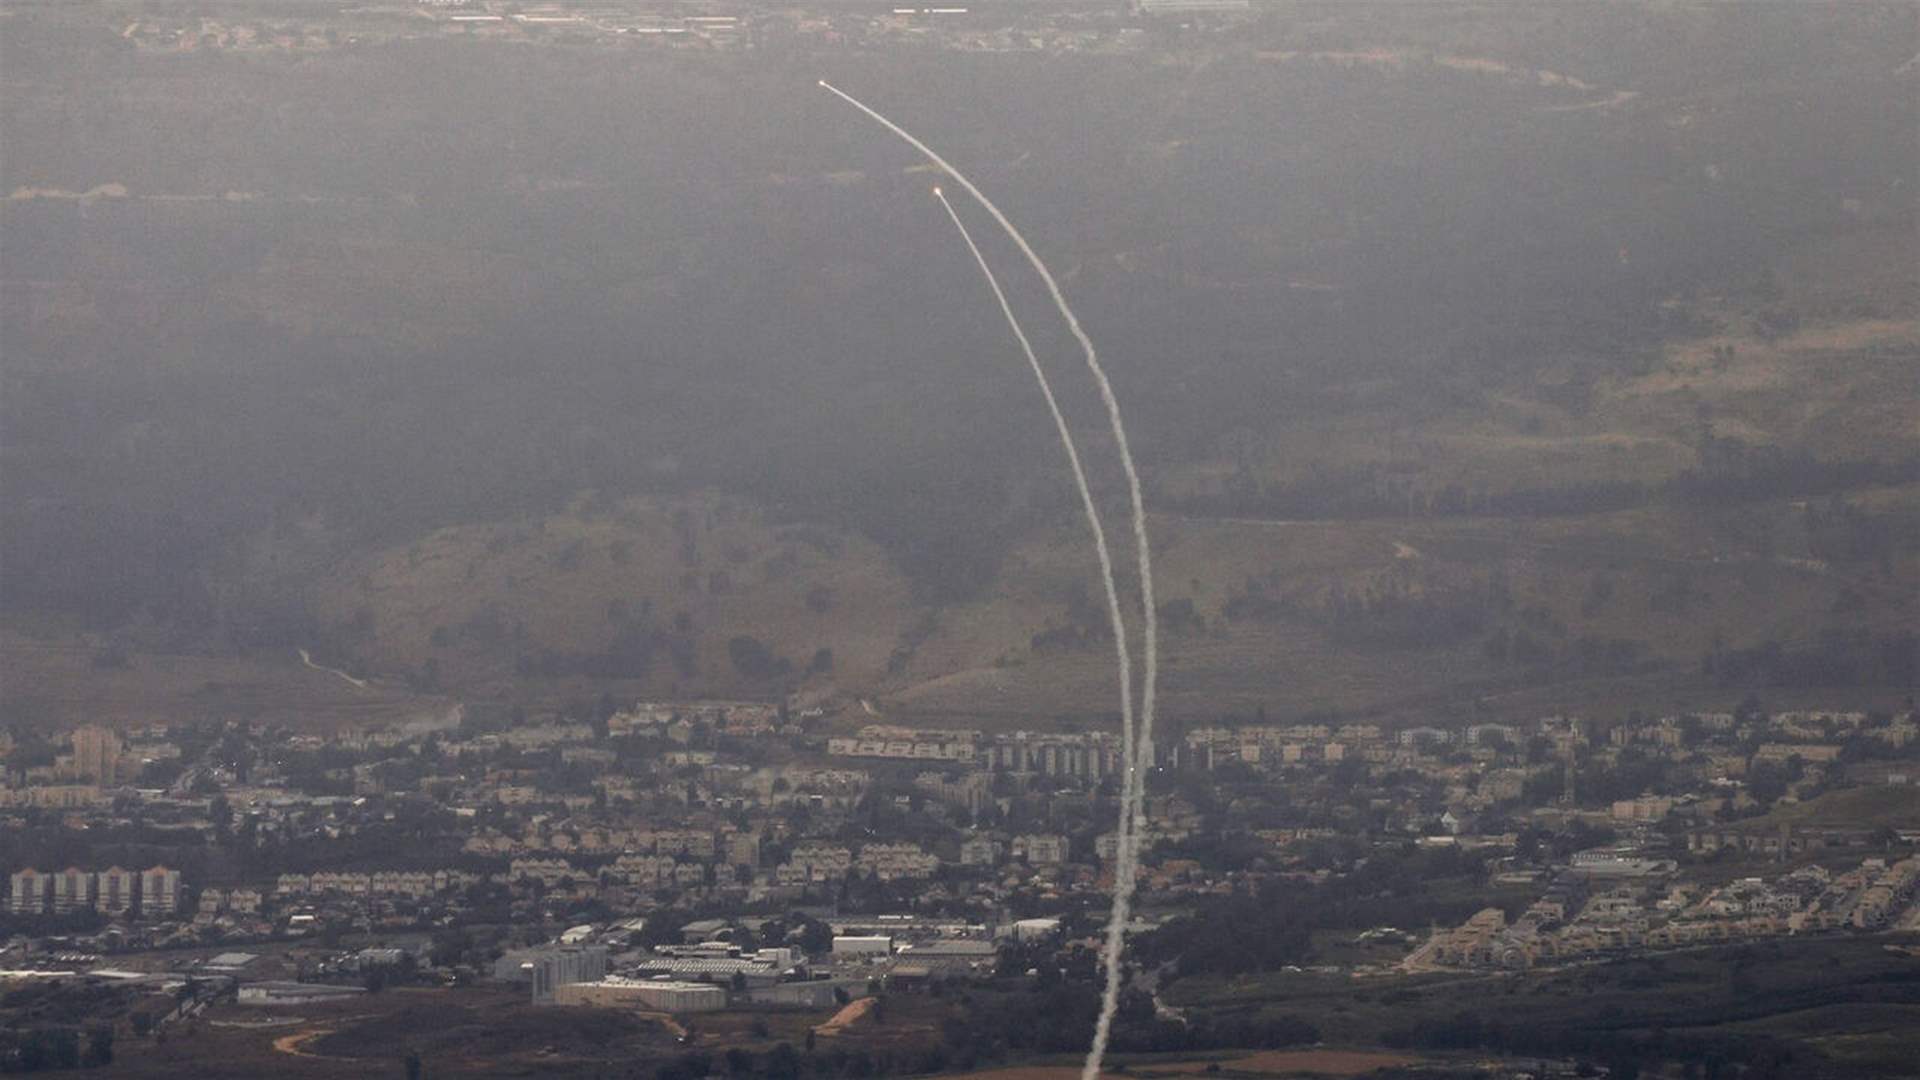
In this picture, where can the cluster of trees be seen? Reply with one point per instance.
(1588, 654)
(755, 659)
(1389, 615)
(1840, 532)
(1624, 1054)
(1729, 471)
(1368, 491)
(1534, 843)
(1055, 1014)
(38, 1049)
(1837, 657)
(1631, 773)
(783, 1062)
(1706, 1011)
(1271, 928)
(632, 653)
(1086, 623)
(1399, 618)
(798, 929)
(1395, 616)
(1732, 470)
(1215, 1030)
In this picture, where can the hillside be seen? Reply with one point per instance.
(651, 592)
(1476, 360)
(1395, 617)
(58, 680)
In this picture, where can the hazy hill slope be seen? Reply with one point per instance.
(1412, 615)
(652, 592)
(1470, 352)
(60, 680)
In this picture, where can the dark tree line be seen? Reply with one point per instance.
(40, 1049)
(1837, 657)
(1729, 472)
(1271, 928)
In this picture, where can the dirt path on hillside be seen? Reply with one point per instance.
(296, 1043)
(307, 659)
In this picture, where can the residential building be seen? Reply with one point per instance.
(1041, 849)
(72, 890)
(979, 851)
(29, 892)
(116, 890)
(98, 754)
(159, 891)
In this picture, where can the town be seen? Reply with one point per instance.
(530, 551)
(686, 857)
(723, 27)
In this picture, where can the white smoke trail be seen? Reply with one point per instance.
(1132, 790)
(1086, 501)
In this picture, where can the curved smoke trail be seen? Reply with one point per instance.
(1086, 501)
(1125, 862)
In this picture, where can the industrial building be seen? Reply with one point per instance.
(294, 993)
(862, 945)
(660, 995)
(545, 970)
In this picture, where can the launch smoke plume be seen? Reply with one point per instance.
(1086, 501)
(1132, 788)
